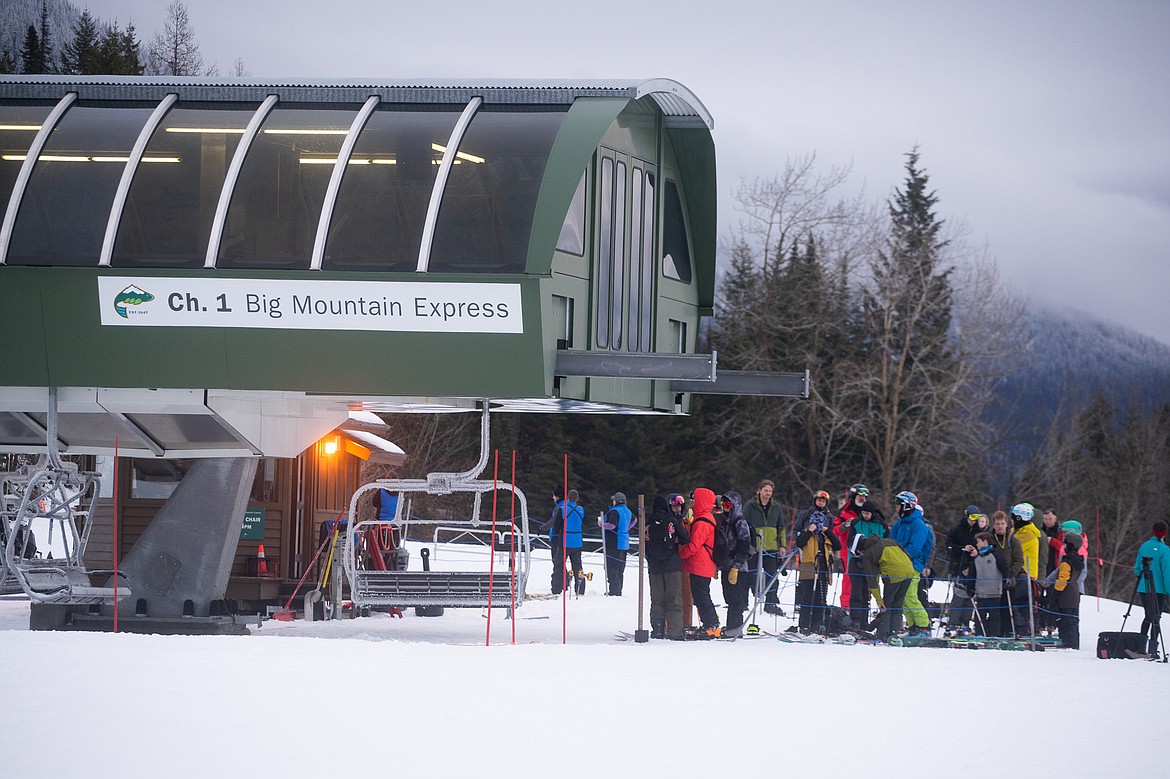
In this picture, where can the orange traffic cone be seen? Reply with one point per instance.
(261, 563)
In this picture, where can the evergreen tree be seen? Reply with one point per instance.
(7, 61)
(119, 52)
(83, 55)
(47, 58)
(32, 56)
(915, 376)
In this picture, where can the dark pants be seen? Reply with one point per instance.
(859, 597)
(992, 614)
(890, 620)
(559, 576)
(615, 569)
(959, 612)
(1069, 626)
(666, 614)
(736, 596)
(771, 563)
(1154, 604)
(701, 595)
(811, 602)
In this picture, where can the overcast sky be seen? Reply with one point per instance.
(1044, 126)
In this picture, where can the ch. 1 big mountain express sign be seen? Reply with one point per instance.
(392, 306)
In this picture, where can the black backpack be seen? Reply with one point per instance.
(727, 542)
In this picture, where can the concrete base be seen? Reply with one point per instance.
(45, 616)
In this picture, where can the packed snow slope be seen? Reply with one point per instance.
(418, 696)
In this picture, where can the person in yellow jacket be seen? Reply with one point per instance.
(1029, 537)
(883, 561)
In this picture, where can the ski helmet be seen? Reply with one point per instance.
(906, 502)
(821, 494)
(1024, 511)
(859, 489)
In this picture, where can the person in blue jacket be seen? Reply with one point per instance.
(1158, 554)
(916, 538)
(911, 531)
(616, 527)
(567, 516)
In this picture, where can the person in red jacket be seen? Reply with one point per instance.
(697, 562)
(858, 495)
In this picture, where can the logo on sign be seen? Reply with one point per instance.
(131, 296)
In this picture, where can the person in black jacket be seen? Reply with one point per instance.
(961, 537)
(737, 584)
(665, 530)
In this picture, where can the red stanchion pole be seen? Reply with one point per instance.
(115, 534)
(492, 557)
(512, 549)
(565, 550)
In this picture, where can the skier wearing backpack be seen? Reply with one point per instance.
(697, 562)
(734, 534)
(818, 547)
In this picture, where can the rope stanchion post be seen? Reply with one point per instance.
(565, 551)
(116, 534)
(641, 635)
(492, 554)
(512, 545)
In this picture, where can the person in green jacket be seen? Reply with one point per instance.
(884, 562)
(766, 518)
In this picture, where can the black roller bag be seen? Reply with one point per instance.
(1114, 645)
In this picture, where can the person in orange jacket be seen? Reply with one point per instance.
(696, 559)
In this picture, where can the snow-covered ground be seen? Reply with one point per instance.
(425, 697)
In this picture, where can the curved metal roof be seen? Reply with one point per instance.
(678, 104)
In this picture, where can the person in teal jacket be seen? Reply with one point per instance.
(1158, 554)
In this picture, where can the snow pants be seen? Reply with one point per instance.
(666, 612)
(736, 596)
(701, 594)
(615, 569)
(901, 599)
(771, 563)
(859, 597)
(811, 602)
(559, 576)
(1069, 627)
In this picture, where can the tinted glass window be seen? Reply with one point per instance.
(171, 203)
(618, 279)
(635, 318)
(572, 237)
(676, 253)
(605, 251)
(486, 216)
(18, 127)
(66, 206)
(382, 204)
(276, 203)
(647, 261)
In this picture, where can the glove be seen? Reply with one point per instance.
(733, 575)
